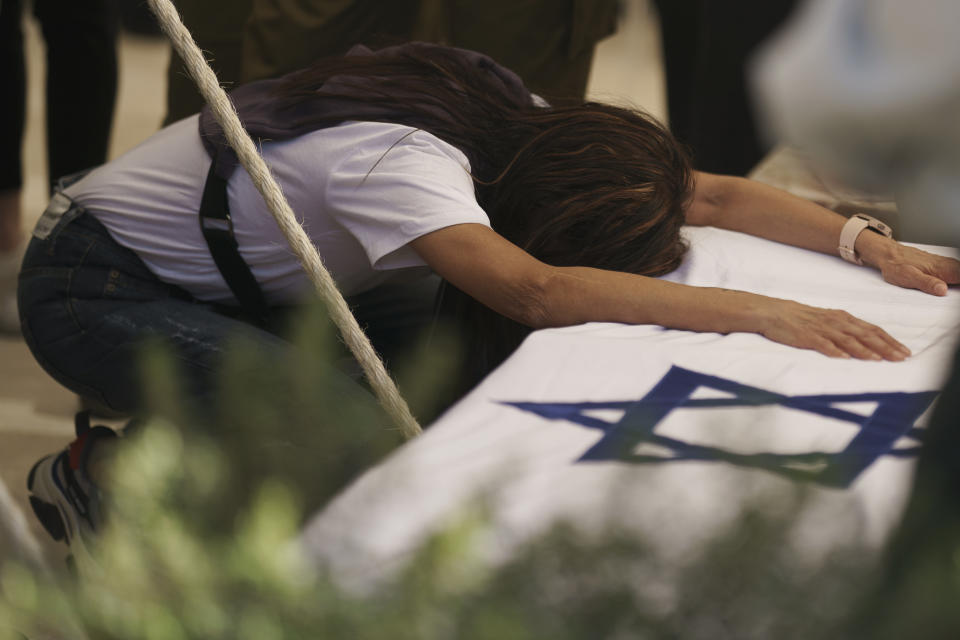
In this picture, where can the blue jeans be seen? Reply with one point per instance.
(87, 304)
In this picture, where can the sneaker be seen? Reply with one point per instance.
(63, 497)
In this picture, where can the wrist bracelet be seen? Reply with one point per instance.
(852, 229)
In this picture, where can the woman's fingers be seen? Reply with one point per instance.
(855, 348)
(826, 347)
(947, 269)
(866, 346)
(886, 346)
(835, 333)
(864, 340)
(915, 269)
(911, 277)
(861, 348)
(942, 267)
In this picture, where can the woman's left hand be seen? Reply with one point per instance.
(915, 269)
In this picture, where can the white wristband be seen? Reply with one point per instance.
(852, 230)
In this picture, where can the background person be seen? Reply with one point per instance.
(81, 90)
(706, 49)
(217, 27)
(550, 43)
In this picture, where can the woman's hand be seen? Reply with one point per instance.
(745, 205)
(909, 267)
(831, 332)
(916, 269)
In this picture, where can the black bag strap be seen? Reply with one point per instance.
(217, 228)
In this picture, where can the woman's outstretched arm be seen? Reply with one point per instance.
(752, 207)
(505, 278)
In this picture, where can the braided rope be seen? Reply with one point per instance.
(226, 115)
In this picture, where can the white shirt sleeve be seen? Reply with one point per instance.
(395, 190)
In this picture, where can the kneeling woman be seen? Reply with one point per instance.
(412, 160)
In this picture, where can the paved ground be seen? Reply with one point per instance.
(36, 414)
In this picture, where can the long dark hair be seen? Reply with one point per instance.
(587, 184)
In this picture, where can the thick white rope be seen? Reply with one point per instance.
(223, 110)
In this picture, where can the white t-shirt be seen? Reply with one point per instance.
(362, 190)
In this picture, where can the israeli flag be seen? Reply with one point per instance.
(670, 433)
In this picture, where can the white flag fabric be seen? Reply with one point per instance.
(669, 432)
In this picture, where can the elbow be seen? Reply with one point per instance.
(530, 301)
(712, 196)
(554, 298)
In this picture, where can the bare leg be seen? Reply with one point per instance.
(10, 236)
(11, 241)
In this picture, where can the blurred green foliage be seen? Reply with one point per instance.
(207, 501)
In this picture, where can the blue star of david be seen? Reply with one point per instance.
(893, 418)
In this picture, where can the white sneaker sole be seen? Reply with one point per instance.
(56, 514)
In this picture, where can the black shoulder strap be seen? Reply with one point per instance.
(217, 228)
